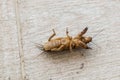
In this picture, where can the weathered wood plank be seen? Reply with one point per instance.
(32, 21)
(9, 49)
(38, 17)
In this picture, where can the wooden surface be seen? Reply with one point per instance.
(23, 22)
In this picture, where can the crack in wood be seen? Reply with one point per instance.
(20, 43)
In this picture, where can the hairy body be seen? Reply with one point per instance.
(62, 43)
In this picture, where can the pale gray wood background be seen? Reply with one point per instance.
(25, 21)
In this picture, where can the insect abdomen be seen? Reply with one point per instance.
(52, 44)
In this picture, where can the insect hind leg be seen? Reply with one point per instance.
(52, 35)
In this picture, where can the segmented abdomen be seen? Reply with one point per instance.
(52, 44)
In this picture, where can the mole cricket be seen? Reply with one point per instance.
(68, 42)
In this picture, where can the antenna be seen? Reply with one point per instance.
(96, 36)
(98, 33)
(95, 44)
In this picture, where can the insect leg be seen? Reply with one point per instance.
(83, 45)
(70, 47)
(52, 35)
(68, 34)
(58, 49)
(82, 33)
(70, 38)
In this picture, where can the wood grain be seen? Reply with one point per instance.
(26, 22)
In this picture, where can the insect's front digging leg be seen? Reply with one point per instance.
(83, 45)
(82, 33)
(58, 49)
(52, 35)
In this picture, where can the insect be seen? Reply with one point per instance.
(68, 42)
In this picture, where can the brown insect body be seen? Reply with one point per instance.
(68, 42)
(54, 44)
